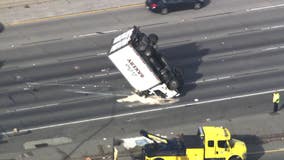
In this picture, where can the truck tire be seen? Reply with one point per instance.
(159, 159)
(153, 39)
(164, 11)
(235, 158)
(197, 6)
(173, 84)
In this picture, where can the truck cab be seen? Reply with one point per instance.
(210, 143)
(219, 144)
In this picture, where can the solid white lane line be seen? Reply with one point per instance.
(266, 7)
(146, 111)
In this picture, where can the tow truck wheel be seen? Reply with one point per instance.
(235, 158)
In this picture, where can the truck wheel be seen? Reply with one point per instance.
(235, 158)
(173, 84)
(153, 38)
(197, 6)
(159, 159)
(164, 11)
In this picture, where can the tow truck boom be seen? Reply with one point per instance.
(153, 137)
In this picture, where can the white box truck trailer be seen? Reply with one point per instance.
(135, 55)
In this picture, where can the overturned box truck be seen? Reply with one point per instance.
(136, 56)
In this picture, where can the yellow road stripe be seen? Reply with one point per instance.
(72, 15)
(268, 151)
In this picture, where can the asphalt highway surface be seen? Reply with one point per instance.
(57, 75)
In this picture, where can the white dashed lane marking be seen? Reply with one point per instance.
(265, 7)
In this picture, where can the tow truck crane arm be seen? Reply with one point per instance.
(153, 137)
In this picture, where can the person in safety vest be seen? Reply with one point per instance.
(276, 101)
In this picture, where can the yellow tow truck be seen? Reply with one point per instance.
(210, 143)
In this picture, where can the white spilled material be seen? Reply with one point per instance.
(151, 100)
(130, 143)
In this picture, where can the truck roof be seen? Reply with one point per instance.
(212, 132)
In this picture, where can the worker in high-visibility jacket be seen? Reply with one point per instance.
(276, 101)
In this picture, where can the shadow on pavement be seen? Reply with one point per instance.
(3, 140)
(281, 107)
(2, 63)
(254, 146)
(187, 58)
(2, 28)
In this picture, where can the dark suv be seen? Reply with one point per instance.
(164, 6)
